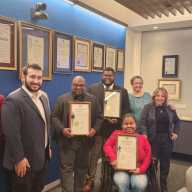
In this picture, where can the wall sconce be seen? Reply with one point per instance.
(38, 11)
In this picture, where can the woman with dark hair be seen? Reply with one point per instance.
(161, 124)
(137, 179)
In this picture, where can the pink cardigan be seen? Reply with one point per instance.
(144, 149)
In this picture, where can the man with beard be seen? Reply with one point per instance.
(74, 150)
(108, 125)
(26, 122)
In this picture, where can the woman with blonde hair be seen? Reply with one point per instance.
(161, 124)
(138, 99)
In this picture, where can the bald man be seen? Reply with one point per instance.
(74, 150)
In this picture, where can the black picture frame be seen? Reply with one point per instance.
(170, 66)
(67, 67)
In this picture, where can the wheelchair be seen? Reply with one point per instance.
(108, 185)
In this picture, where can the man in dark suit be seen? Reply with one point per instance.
(2, 139)
(108, 125)
(74, 150)
(26, 122)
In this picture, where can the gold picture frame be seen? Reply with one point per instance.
(82, 55)
(35, 46)
(173, 88)
(8, 44)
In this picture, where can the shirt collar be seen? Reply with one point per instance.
(109, 87)
(31, 94)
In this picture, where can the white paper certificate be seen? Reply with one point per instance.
(63, 53)
(126, 152)
(82, 59)
(170, 66)
(80, 118)
(98, 57)
(35, 50)
(5, 43)
(112, 103)
(111, 58)
(120, 62)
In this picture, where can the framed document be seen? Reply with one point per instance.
(112, 104)
(82, 59)
(120, 60)
(62, 53)
(80, 118)
(35, 46)
(7, 44)
(126, 152)
(98, 57)
(170, 66)
(173, 88)
(111, 58)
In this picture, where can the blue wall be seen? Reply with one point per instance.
(70, 19)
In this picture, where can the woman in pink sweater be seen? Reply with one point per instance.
(136, 178)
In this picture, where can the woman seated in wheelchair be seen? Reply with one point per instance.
(129, 180)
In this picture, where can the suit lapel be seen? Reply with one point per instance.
(46, 107)
(31, 103)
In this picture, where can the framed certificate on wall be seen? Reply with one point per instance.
(82, 59)
(62, 53)
(170, 66)
(111, 58)
(80, 118)
(120, 60)
(98, 57)
(35, 47)
(172, 86)
(7, 44)
(126, 152)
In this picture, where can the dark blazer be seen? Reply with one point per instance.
(24, 130)
(61, 112)
(60, 120)
(148, 121)
(97, 89)
(2, 139)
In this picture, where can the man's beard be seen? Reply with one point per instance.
(78, 95)
(30, 89)
(109, 84)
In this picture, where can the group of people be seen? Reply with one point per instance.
(27, 125)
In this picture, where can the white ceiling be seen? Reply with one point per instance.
(136, 22)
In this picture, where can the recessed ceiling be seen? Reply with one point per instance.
(157, 8)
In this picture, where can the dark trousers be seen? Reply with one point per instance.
(5, 180)
(33, 181)
(162, 147)
(94, 155)
(74, 164)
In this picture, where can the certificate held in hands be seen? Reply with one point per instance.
(80, 118)
(127, 152)
(112, 103)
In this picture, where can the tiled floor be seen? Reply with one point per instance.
(175, 180)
